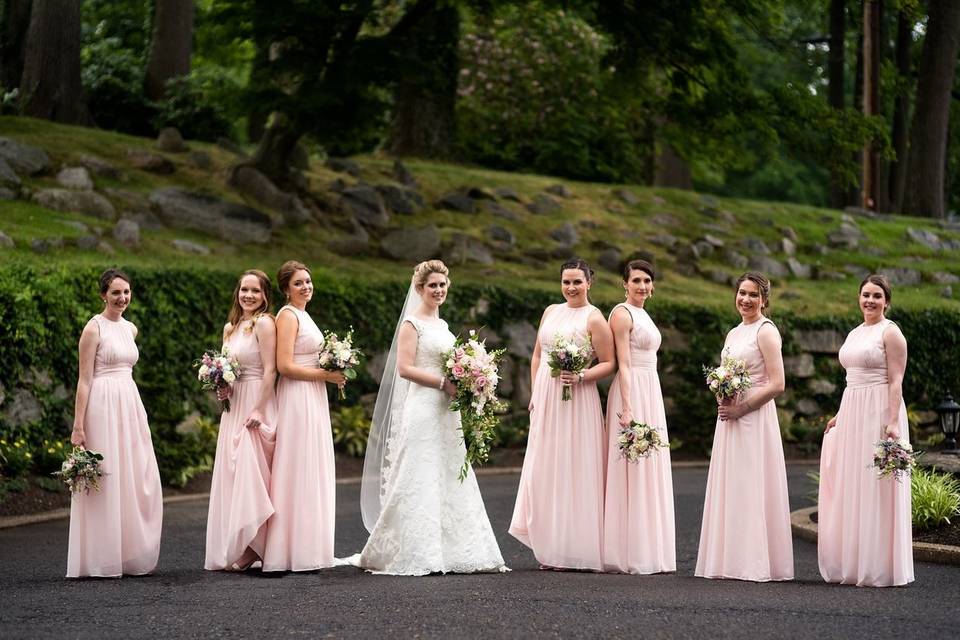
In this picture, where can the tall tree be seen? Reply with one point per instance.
(901, 109)
(925, 183)
(426, 90)
(171, 45)
(870, 163)
(14, 22)
(50, 87)
(836, 65)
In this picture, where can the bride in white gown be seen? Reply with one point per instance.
(421, 518)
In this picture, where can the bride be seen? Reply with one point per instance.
(421, 518)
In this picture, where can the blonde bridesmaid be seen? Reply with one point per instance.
(746, 513)
(303, 484)
(115, 531)
(559, 508)
(638, 522)
(240, 490)
(864, 522)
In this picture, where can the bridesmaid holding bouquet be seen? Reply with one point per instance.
(864, 522)
(114, 531)
(638, 522)
(745, 533)
(240, 490)
(303, 484)
(559, 508)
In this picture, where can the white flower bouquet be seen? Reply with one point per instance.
(339, 354)
(638, 440)
(217, 370)
(81, 470)
(569, 353)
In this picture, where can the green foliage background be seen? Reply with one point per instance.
(180, 312)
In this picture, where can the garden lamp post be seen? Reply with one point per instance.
(949, 413)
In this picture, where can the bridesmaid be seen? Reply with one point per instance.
(746, 513)
(239, 493)
(559, 508)
(303, 486)
(638, 524)
(864, 521)
(114, 531)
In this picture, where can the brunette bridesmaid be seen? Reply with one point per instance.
(240, 491)
(559, 508)
(746, 513)
(116, 530)
(303, 484)
(864, 522)
(638, 523)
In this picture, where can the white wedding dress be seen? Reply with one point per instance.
(429, 521)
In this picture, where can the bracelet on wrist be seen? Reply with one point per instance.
(442, 379)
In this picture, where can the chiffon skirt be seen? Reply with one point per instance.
(240, 490)
(303, 482)
(117, 530)
(638, 522)
(864, 522)
(559, 508)
(746, 513)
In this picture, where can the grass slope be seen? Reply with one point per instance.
(600, 219)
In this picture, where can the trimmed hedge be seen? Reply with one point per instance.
(181, 311)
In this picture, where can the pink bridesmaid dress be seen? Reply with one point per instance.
(116, 531)
(638, 522)
(559, 508)
(240, 490)
(303, 484)
(746, 513)
(864, 522)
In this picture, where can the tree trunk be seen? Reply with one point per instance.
(171, 44)
(924, 189)
(672, 170)
(869, 182)
(259, 76)
(836, 68)
(272, 157)
(901, 111)
(425, 96)
(14, 22)
(853, 193)
(50, 87)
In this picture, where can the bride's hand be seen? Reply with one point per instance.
(449, 388)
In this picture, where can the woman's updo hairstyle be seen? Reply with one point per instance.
(423, 271)
(285, 274)
(109, 276)
(579, 264)
(762, 282)
(638, 265)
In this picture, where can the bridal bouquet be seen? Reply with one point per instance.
(638, 440)
(474, 372)
(569, 353)
(893, 458)
(339, 354)
(81, 470)
(728, 380)
(218, 370)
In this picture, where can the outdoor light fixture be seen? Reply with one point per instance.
(949, 414)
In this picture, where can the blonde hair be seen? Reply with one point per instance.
(423, 271)
(236, 311)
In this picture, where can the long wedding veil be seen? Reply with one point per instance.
(386, 414)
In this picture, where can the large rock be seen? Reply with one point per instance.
(847, 236)
(788, 247)
(756, 246)
(188, 246)
(151, 162)
(170, 140)
(413, 244)
(820, 340)
(343, 165)
(400, 200)
(506, 193)
(798, 269)
(497, 209)
(7, 194)
(559, 190)
(251, 182)
(822, 387)
(944, 277)
(22, 409)
(366, 205)
(127, 233)
(501, 236)
(464, 249)
(902, 276)
(6, 242)
(75, 178)
(200, 160)
(736, 260)
(807, 407)
(543, 204)
(88, 203)
(24, 158)
(566, 234)
(664, 240)
(457, 201)
(184, 209)
(627, 197)
(8, 177)
(610, 259)
(403, 175)
(800, 366)
(87, 242)
(522, 338)
(98, 166)
(768, 266)
(927, 238)
(479, 193)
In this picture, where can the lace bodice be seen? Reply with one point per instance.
(434, 338)
(117, 352)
